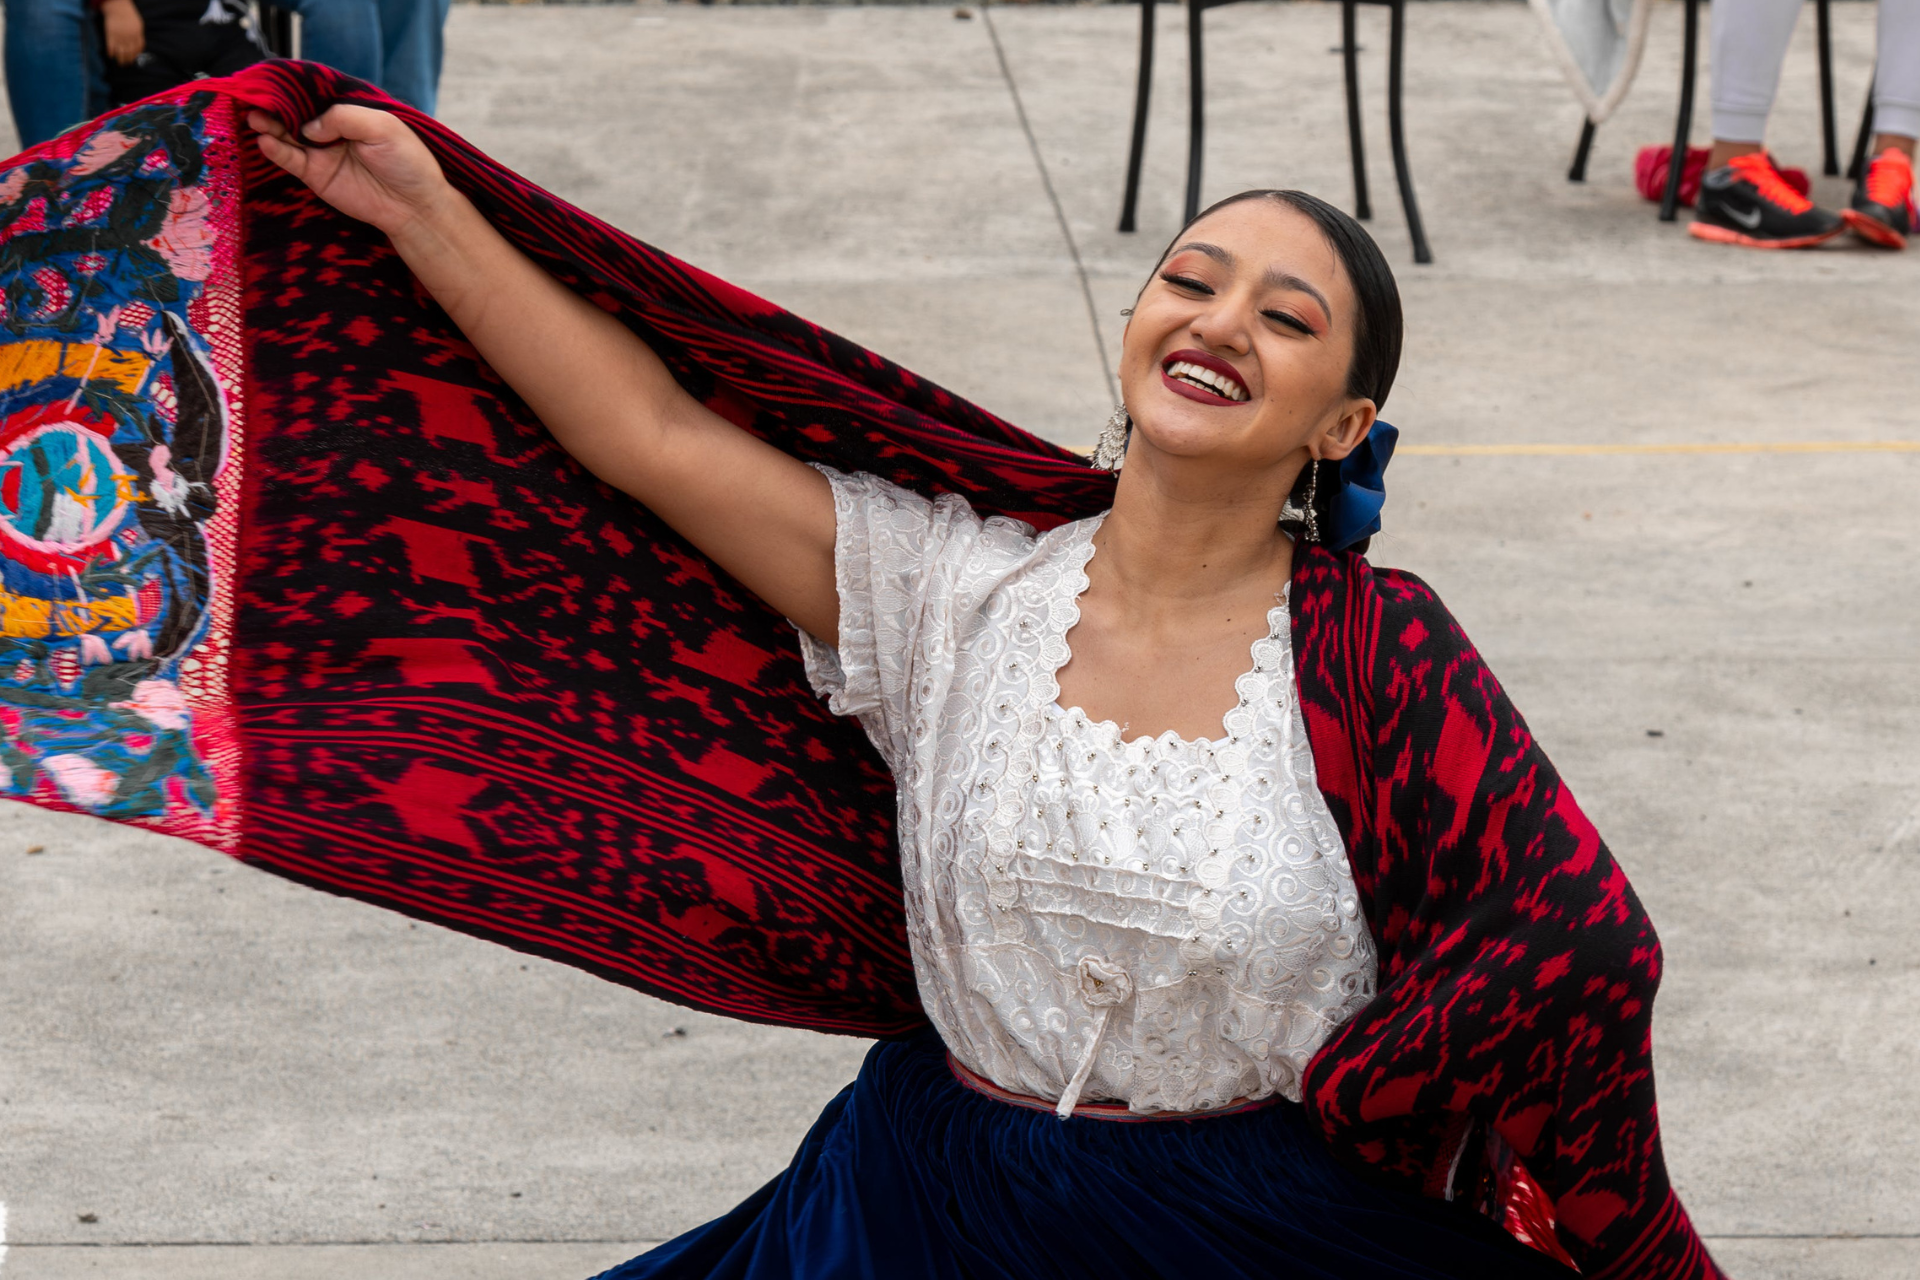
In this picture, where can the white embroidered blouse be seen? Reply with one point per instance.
(1164, 923)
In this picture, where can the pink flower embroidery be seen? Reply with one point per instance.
(94, 651)
(160, 703)
(16, 183)
(169, 488)
(102, 149)
(185, 239)
(81, 781)
(108, 322)
(135, 644)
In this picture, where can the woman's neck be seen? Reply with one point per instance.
(1173, 540)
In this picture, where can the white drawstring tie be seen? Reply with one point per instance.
(1103, 985)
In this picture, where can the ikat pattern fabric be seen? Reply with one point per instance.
(1166, 923)
(1517, 968)
(404, 649)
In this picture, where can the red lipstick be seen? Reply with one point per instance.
(1226, 381)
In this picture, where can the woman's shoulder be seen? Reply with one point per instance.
(1352, 616)
(1405, 594)
(1342, 582)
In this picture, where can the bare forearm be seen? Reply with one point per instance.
(611, 403)
(604, 395)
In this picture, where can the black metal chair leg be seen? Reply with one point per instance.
(1356, 137)
(1196, 109)
(1862, 140)
(1683, 127)
(276, 30)
(1578, 173)
(1830, 163)
(1397, 134)
(1141, 97)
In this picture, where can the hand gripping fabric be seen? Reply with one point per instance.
(289, 572)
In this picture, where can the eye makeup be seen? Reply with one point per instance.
(1299, 324)
(1291, 321)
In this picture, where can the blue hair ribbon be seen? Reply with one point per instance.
(1354, 511)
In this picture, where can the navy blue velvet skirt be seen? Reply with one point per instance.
(908, 1173)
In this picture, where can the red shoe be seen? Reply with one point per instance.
(1883, 211)
(1650, 174)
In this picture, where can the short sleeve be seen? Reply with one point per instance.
(898, 558)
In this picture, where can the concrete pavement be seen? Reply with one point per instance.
(234, 1077)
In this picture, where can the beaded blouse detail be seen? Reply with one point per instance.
(1163, 922)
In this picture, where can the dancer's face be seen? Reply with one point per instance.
(1238, 349)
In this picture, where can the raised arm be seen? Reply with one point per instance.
(763, 516)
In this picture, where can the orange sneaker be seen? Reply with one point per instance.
(1748, 203)
(1882, 211)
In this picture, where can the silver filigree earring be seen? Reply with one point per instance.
(1290, 512)
(1111, 450)
(1313, 500)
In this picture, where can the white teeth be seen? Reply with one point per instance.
(1217, 383)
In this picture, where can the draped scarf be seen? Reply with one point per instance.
(289, 572)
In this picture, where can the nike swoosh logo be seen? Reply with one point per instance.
(1750, 219)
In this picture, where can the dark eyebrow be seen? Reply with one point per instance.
(1213, 251)
(1276, 278)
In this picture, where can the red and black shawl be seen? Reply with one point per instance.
(290, 572)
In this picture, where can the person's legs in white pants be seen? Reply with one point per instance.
(1749, 44)
(1896, 76)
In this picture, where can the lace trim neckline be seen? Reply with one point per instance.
(1247, 686)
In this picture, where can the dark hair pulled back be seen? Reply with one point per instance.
(1377, 321)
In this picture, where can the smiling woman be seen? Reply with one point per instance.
(1261, 347)
(1222, 914)
(1213, 841)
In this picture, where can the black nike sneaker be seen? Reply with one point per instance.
(1748, 203)
(1882, 209)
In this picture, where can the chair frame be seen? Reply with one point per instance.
(276, 29)
(1857, 167)
(1356, 141)
(1683, 126)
